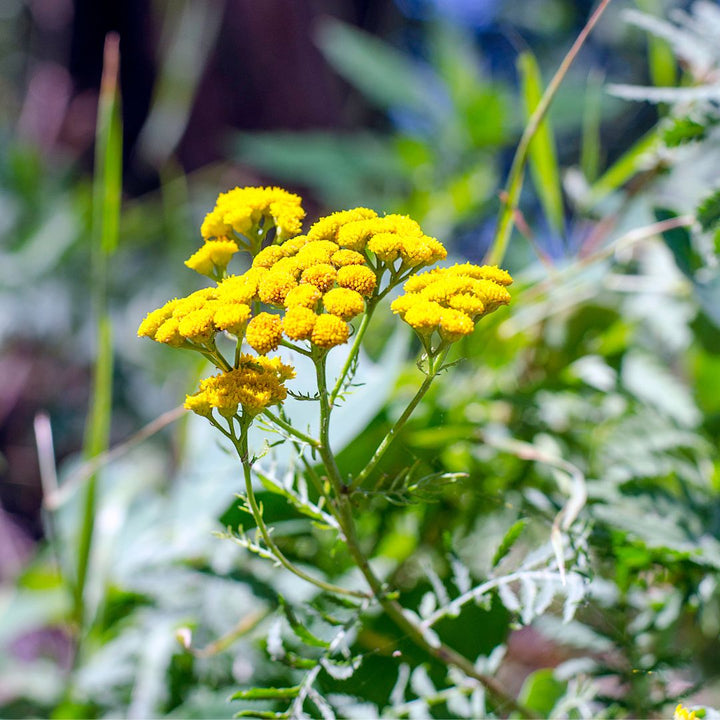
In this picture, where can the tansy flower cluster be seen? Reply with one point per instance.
(307, 288)
(254, 384)
(682, 713)
(451, 300)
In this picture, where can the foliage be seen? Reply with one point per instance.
(556, 488)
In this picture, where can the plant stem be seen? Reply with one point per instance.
(241, 445)
(354, 350)
(433, 369)
(299, 434)
(511, 193)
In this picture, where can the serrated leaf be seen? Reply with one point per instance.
(508, 541)
(683, 130)
(708, 211)
(299, 629)
(271, 693)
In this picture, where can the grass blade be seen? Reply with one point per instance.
(542, 157)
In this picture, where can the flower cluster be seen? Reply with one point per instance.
(451, 300)
(307, 288)
(682, 713)
(255, 384)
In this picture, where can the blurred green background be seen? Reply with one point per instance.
(608, 358)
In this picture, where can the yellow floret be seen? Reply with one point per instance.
(416, 283)
(347, 257)
(303, 296)
(386, 246)
(357, 277)
(298, 322)
(290, 265)
(168, 333)
(329, 331)
(213, 257)
(241, 210)
(153, 320)
(237, 289)
(344, 303)
(467, 303)
(424, 316)
(454, 325)
(418, 251)
(682, 713)
(199, 403)
(492, 294)
(232, 317)
(268, 256)
(293, 245)
(275, 286)
(194, 301)
(322, 276)
(264, 333)
(401, 305)
(327, 228)
(444, 287)
(483, 272)
(198, 325)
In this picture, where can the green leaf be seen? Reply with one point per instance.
(299, 629)
(383, 74)
(508, 541)
(541, 690)
(679, 242)
(623, 169)
(708, 211)
(542, 157)
(683, 130)
(271, 693)
(262, 714)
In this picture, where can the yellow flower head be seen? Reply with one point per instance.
(264, 333)
(357, 277)
(237, 289)
(268, 256)
(242, 209)
(153, 320)
(344, 303)
(450, 300)
(299, 322)
(198, 326)
(169, 333)
(213, 257)
(275, 286)
(322, 276)
(329, 331)
(386, 246)
(305, 295)
(293, 245)
(314, 253)
(232, 317)
(682, 713)
(255, 384)
(347, 257)
(327, 228)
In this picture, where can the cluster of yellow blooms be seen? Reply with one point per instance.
(451, 300)
(314, 284)
(255, 383)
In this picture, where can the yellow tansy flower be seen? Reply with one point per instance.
(454, 324)
(329, 331)
(232, 317)
(298, 322)
(169, 334)
(237, 289)
(264, 333)
(153, 320)
(343, 302)
(213, 257)
(327, 228)
(194, 301)
(682, 713)
(347, 257)
(322, 276)
(198, 325)
(305, 295)
(275, 286)
(357, 277)
(424, 316)
(268, 256)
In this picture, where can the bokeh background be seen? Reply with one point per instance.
(408, 106)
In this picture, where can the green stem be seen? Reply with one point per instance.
(291, 430)
(434, 368)
(354, 350)
(241, 445)
(513, 185)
